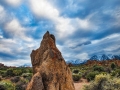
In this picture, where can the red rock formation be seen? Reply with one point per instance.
(49, 68)
(1, 65)
(104, 63)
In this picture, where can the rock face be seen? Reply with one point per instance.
(50, 72)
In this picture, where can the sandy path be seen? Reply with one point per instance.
(79, 85)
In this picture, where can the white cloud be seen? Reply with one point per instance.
(7, 45)
(1, 36)
(82, 56)
(44, 9)
(2, 14)
(84, 24)
(14, 2)
(64, 26)
(1, 10)
(15, 29)
(107, 38)
(18, 62)
(106, 45)
(115, 13)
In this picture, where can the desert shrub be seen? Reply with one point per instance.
(116, 73)
(30, 70)
(108, 70)
(15, 79)
(2, 73)
(17, 72)
(25, 70)
(0, 78)
(91, 75)
(113, 66)
(76, 77)
(9, 72)
(113, 73)
(7, 85)
(98, 68)
(85, 74)
(2, 87)
(20, 86)
(28, 76)
(76, 71)
(104, 82)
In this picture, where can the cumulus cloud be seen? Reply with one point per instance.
(82, 56)
(43, 9)
(18, 62)
(15, 29)
(14, 2)
(2, 14)
(64, 26)
(82, 28)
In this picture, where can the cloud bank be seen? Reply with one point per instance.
(82, 28)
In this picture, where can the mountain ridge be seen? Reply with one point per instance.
(97, 57)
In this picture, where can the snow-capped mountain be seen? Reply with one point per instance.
(76, 62)
(104, 57)
(25, 65)
(99, 57)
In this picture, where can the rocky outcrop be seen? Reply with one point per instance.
(102, 63)
(50, 72)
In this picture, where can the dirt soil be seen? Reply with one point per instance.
(79, 85)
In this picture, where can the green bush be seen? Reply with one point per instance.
(116, 73)
(104, 82)
(28, 76)
(21, 85)
(113, 66)
(91, 75)
(108, 70)
(15, 79)
(113, 73)
(76, 77)
(2, 87)
(85, 74)
(3, 73)
(17, 72)
(7, 85)
(76, 71)
(9, 72)
(0, 78)
(98, 68)
(26, 70)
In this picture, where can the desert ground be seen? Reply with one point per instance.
(79, 85)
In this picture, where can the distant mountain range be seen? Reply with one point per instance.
(104, 57)
(76, 62)
(100, 57)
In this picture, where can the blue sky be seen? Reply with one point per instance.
(82, 28)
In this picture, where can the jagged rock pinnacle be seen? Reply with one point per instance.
(50, 71)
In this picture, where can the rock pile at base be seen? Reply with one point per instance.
(50, 72)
